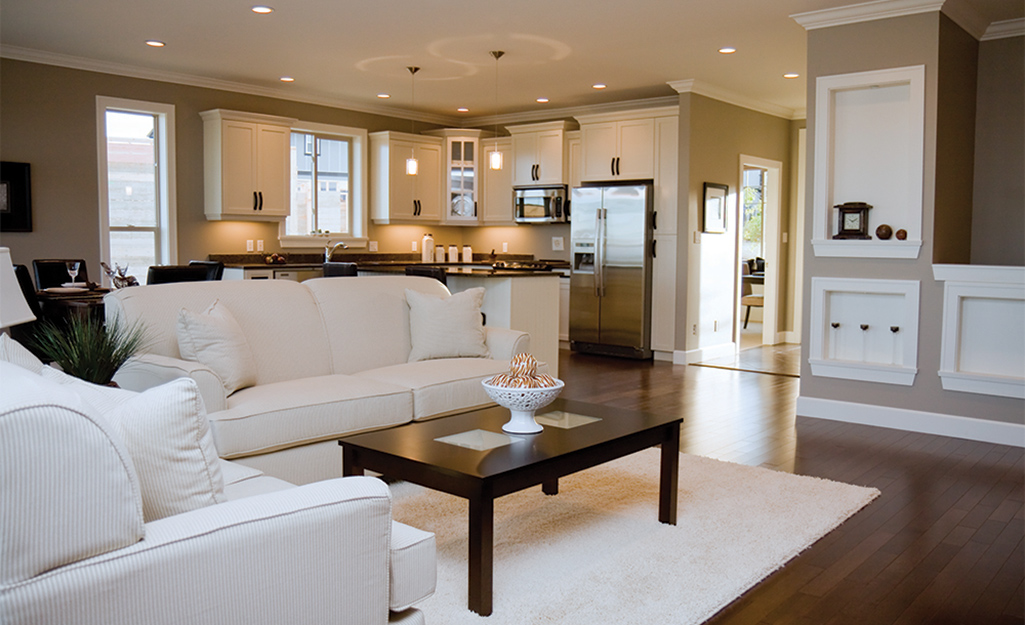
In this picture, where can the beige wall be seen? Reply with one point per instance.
(713, 136)
(998, 220)
(881, 44)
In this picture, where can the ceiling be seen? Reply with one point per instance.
(344, 53)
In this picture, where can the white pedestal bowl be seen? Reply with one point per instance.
(522, 404)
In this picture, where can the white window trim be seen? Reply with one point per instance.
(357, 194)
(168, 239)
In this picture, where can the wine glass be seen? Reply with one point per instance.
(72, 266)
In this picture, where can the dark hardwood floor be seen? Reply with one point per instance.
(942, 545)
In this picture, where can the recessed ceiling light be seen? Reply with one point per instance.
(153, 43)
(463, 109)
(791, 75)
(262, 10)
(542, 100)
(384, 96)
(287, 79)
(598, 86)
(727, 50)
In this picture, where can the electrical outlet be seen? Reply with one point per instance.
(557, 244)
(784, 237)
(694, 329)
(414, 246)
(697, 237)
(259, 245)
(249, 245)
(505, 246)
(715, 325)
(372, 246)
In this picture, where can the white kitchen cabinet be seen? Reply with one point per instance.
(573, 156)
(462, 173)
(663, 294)
(496, 192)
(271, 273)
(538, 153)
(397, 197)
(246, 166)
(618, 150)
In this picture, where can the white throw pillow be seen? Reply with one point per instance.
(17, 354)
(168, 436)
(446, 327)
(214, 338)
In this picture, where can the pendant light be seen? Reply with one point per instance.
(495, 161)
(412, 167)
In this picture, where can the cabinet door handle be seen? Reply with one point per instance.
(654, 220)
(254, 200)
(612, 166)
(653, 245)
(475, 209)
(261, 201)
(617, 165)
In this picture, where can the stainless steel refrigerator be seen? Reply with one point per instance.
(610, 284)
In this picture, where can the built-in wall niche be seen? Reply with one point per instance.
(869, 147)
(983, 341)
(864, 329)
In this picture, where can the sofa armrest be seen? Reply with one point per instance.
(317, 553)
(504, 343)
(148, 370)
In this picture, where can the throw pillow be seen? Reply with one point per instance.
(168, 436)
(17, 354)
(214, 338)
(446, 327)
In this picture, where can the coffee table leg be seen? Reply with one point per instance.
(482, 517)
(669, 479)
(349, 466)
(550, 487)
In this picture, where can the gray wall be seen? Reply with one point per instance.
(881, 44)
(998, 222)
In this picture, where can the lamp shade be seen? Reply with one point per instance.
(13, 307)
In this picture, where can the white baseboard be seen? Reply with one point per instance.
(664, 356)
(913, 421)
(704, 353)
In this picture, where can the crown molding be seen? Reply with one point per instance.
(571, 112)
(960, 11)
(131, 71)
(1005, 29)
(730, 97)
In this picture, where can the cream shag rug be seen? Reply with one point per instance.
(596, 553)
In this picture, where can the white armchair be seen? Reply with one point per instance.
(74, 547)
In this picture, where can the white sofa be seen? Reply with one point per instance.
(331, 360)
(79, 544)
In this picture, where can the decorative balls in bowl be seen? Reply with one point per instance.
(523, 391)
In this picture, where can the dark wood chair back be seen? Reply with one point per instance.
(163, 274)
(333, 269)
(51, 272)
(214, 268)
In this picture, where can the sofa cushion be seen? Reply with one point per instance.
(413, 569)
(167, 434)
(15, 353)
(376, 306)
(59, 460)
(441, 387)
(268, 417)
(242, 481)
(213, 338)
(446, 327)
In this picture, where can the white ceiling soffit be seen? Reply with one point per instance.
(960, 11)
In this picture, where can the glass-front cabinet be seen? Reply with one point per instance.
(462, 175)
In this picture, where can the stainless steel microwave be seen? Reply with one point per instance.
(541, 205)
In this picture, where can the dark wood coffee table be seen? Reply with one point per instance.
(411, 452)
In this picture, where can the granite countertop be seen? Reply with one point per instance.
(481, 265)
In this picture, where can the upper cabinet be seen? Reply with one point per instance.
(246, 165)
(397, 197)
(538, 153)
(496, 192)
(619, 146)
(462, 173)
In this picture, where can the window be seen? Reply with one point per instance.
(135, 152)
(327, 199)
(753, 195)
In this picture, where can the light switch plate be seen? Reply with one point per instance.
(414, 246)
(505, 246)
(259, 245)
(249, 245)
(372, 246)
(557, 244)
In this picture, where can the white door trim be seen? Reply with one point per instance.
(770, 236)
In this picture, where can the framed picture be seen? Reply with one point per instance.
(714, 214)
(15, 199)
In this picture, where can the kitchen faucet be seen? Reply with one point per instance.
(330, 249)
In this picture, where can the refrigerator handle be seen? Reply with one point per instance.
(599, 253)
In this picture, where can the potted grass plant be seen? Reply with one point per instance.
(88, 348)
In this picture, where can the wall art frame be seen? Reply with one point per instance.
(15, 197)
(714, 213)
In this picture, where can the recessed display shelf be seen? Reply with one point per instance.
(869, 147)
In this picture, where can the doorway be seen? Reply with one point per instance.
(758, 255)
